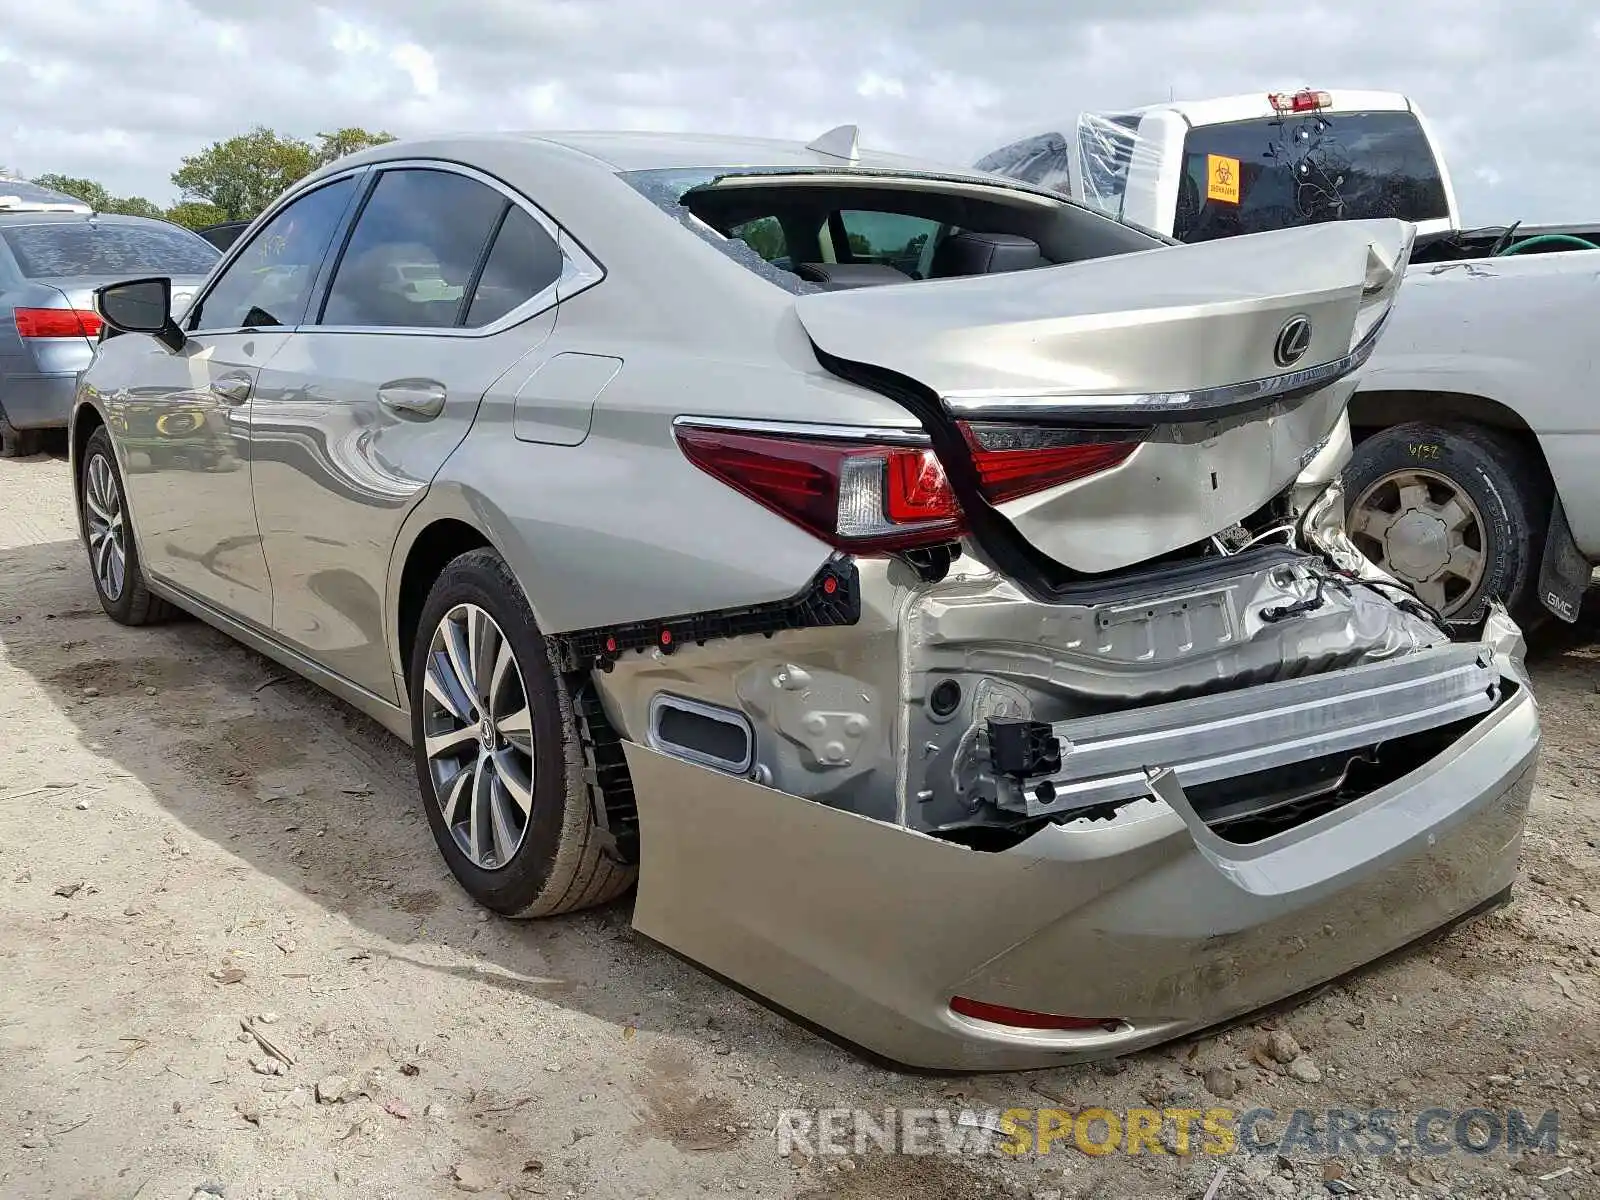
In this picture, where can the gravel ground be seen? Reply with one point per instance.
(192, 843)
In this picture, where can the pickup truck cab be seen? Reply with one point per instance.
(1201, 169)
(1473, 426)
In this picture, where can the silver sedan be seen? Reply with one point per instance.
(932, 591)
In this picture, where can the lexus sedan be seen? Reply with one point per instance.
(932, 591)
(54, 251)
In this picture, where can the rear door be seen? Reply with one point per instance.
(444, 282)
(183, 433)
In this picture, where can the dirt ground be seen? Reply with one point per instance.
(191, 841)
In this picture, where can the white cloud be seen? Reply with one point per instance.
(419, 64)
(120, 90)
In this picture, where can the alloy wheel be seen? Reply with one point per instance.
(478, 736)
(1426, 532)
(103, 510)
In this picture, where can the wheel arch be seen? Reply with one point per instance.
(450, 521)
(1371, 411)
(86, 418)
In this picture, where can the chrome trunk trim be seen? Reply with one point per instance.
(1199, 403)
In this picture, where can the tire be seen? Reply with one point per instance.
(532, 861)
(100, 491)
(1503, 490)
(17, 443)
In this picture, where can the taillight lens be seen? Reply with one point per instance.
(1018, 460)
(857, 496)
(57, 322)
(871, 497)
(1304, 100)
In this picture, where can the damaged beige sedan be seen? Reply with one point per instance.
(934, 592)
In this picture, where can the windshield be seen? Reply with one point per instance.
(1301, 169)
(57, 249)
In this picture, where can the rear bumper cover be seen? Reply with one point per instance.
(38, 401)
(868, 929)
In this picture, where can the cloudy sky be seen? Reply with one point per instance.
(120, 90)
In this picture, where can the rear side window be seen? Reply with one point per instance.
(1277, 172)
(523, 262)
(414, 252)
(83, 248)
(270, 281)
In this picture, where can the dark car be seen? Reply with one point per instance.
(224, 233)
(54, 251)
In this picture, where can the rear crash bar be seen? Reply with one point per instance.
(1091, 761)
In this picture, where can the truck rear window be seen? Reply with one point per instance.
(1301, 169)
(56, 249)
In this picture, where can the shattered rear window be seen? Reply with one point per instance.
(58, 249)
(665, 188)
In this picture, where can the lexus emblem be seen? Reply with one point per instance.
(1294, 339)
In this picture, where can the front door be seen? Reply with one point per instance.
(443, 284)
(185, 463)
(186, 435)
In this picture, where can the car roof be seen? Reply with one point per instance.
(25, 216)
(621, 152)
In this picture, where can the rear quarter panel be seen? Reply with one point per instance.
(622, 527)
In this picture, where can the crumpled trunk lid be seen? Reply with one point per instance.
(1229, 362)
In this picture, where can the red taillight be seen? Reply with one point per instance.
(1305, 100)
(1021, 1018)
(1018, 460)
(57, 322)
(871, 497)
(864, 497)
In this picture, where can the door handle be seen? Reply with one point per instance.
(420, 397)
(234, 389)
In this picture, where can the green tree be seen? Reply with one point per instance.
(95, 195)
(194, 214)
(347, 141)
(91, 193)
(244, 174)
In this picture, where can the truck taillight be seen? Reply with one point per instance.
(860, 496)
(1305, 100)
(57, 322)
(870, 497)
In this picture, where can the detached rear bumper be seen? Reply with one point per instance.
(869, 929)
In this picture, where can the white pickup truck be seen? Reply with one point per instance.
(1475, 427)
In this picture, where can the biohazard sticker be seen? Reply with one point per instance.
(1222, 178)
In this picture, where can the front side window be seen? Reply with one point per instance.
(1301, 169)
(415, 251)
(61, 249)
(270, 281)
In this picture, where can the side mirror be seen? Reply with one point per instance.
(140, 306)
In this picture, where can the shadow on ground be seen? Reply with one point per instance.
(305, 790)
